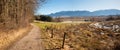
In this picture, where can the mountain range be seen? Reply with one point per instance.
(86, 13)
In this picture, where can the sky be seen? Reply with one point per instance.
(53, 6)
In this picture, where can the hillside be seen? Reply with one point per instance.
(87, 13)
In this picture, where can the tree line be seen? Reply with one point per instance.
(15, 14)
(45, 18)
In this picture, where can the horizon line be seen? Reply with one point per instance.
(79, 10)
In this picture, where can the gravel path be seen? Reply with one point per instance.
(32, 41)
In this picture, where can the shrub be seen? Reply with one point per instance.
(44, 18)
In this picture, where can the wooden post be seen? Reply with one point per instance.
(52, 33)
(63, 40)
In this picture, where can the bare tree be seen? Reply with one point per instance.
(15, 14)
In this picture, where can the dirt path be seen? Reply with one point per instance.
(31, 41)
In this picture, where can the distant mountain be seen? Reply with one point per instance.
(86, 13)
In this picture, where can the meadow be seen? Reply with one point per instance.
(79, 36)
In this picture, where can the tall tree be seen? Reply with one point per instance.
(15, 14)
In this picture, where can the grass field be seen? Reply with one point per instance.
(80, 36)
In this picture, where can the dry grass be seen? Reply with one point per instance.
(79, 37)
(7, 39)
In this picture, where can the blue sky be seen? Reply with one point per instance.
(52, 6)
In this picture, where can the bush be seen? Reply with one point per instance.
(44, 18)
(109, 18)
